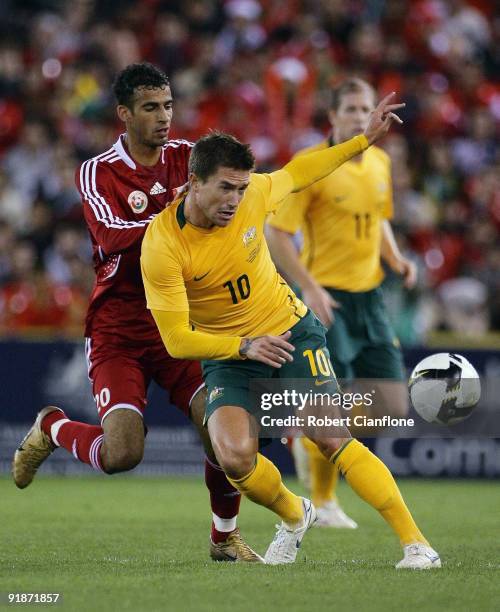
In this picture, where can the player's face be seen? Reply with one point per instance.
(148, 121)
(352, 116)
(219, 196)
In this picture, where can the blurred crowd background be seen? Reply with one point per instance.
(261, 70)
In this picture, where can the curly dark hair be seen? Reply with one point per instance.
(134, 76)
(216, 150)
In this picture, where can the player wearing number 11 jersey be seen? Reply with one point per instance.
(344, 219)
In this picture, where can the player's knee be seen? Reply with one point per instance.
(123, 445)
(122, 460)
(236, 458)
(329, 446)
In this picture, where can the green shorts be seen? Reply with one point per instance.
(361, 341)
(228, 381)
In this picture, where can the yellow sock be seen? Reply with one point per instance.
(263, 485)
(324, 475)
(374, 483)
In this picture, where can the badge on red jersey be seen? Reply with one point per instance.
(138, 201)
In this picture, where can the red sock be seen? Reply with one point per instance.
(224, 501)
(82, 440)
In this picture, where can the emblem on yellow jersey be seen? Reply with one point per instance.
(250, 235)
(138, 201)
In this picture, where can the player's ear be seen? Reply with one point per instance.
(193, 181)
(332, 117)
(124, 113)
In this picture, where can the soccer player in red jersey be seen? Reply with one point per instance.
(122, 190)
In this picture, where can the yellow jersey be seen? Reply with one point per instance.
(224, 276)
(340, 217)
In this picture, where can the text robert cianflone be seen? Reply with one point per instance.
(296, 399)
(326, 421)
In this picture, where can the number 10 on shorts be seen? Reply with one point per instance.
(319, 361)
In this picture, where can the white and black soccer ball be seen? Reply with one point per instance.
(444, 388)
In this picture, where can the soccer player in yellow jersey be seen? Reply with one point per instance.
(215, 295)
(344, 219)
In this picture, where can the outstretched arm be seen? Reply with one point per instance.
(305, 170)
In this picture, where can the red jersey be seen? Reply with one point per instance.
(120, 198)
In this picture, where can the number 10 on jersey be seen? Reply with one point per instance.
(243, 288)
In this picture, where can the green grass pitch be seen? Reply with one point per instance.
(122, 543)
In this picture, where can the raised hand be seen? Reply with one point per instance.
(382, 118)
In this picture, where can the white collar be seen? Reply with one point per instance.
(125, 157)
(121, 151)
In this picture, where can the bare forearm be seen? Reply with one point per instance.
(389, 250)
(390, 253)
(286, 257)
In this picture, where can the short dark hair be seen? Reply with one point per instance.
(350, 85)
(216, 150)
(134, 76)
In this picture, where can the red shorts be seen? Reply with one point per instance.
(120, 375)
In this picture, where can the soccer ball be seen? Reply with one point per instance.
(444, 388)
